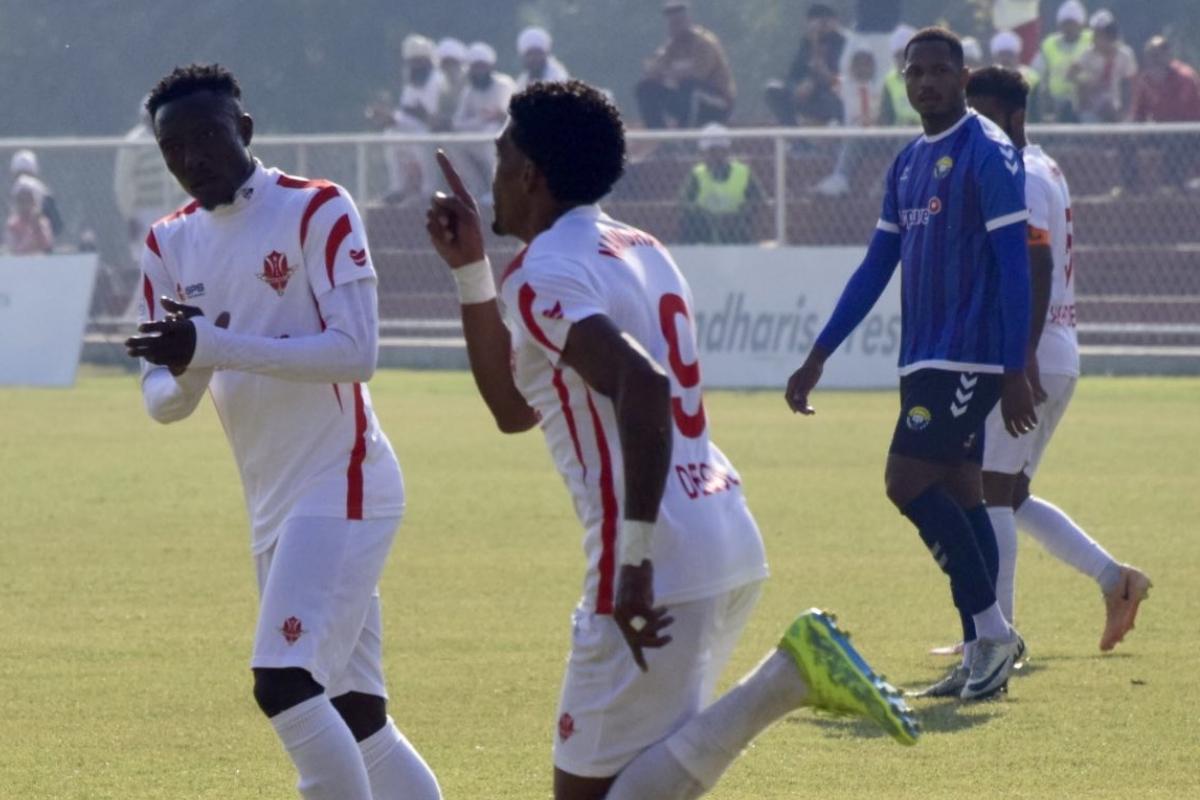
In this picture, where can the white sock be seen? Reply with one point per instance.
(395, 768)
(1005, 526)
(655, 773)
(323, 750)
(710, 741)
(990, 624)
(1065, 540)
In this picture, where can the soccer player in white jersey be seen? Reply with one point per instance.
(592, 340)
(281, 266)
(1053, 366)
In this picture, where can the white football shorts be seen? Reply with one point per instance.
(1007, 455)
(319, 602)
(610, 711)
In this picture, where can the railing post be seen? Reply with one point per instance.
(360, 172)
(302, 159)
(780, 190)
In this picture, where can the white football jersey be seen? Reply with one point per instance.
(1049, 201)
(706, 542)
(268, 258)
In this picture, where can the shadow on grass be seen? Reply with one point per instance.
(950, 716)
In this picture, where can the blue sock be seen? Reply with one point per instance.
(985, 537)
(950, 537)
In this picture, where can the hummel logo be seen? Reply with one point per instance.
(957, 410)
(963, 398)
(968, 380)
(1007, 151)
(554, 313)
(1012, 166)
(359, 257)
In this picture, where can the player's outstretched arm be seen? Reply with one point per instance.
(860, 295)
(455, 232)
(615, 365)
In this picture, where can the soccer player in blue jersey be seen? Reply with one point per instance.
(954, 215)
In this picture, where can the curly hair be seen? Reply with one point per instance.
(1006, 85)
(937, 34)
(574, 134)
(183, 81)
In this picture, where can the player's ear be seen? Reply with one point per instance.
(531, 176)
(965, 77)
(245, 125)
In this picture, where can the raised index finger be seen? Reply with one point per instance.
(453, 180)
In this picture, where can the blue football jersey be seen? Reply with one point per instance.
(943, 195)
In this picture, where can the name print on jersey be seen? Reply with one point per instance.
(276, 271)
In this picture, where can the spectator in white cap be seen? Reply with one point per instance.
(721, 195)
(1005, 49)
(1104, 74)
(894, 108)
(534, 45)
(411, 166)
(483, 109)
(24, 164)
(1058, 52)
(27, 231)
(1023, 18)
(451, 57)
(972, 52)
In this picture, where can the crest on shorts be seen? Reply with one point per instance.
(292, 630)
(276, 272)
(566, 726)
(943, 166)
(918, 418)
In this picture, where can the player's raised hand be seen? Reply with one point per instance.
(640, 622)
(1016, 404)
(801, 384)
(171, 341)
(453, 220)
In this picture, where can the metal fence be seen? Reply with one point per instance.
(1136, 197)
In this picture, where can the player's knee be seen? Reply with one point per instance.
(364, 714)
(277, 690)
(1020, 491)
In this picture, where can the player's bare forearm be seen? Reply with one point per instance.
(489, 349)
(616, 366)
(1041, 273)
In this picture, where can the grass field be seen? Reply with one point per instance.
(127, 602)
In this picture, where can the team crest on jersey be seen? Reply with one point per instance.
(276, 272)
(943, 166)
(292, 630)
(566, 726)
(918, 418)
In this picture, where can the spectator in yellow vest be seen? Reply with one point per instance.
(1053, 63)
(1005, 48)
(895, 108)
(721, 194)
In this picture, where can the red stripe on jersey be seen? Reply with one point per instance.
(292, 182)
(514, 265)
(354, 474)
(608, 528)
(564, 398)
(525, 298)
(148, 293)
(190, 208)
(337, 235)
(152, 243)
(319, 199)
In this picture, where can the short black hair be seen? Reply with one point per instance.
(821, 11)
(938, 34)
(1004, 84)
(183, 81)
(574, 134)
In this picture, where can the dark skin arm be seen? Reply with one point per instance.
(456, 233)
(616, 366)
(1041, 270)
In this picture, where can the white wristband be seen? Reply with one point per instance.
(475, 282)
(635, 541)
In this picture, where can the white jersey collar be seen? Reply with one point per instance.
(938, 137)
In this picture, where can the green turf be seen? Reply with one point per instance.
(127, 602)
